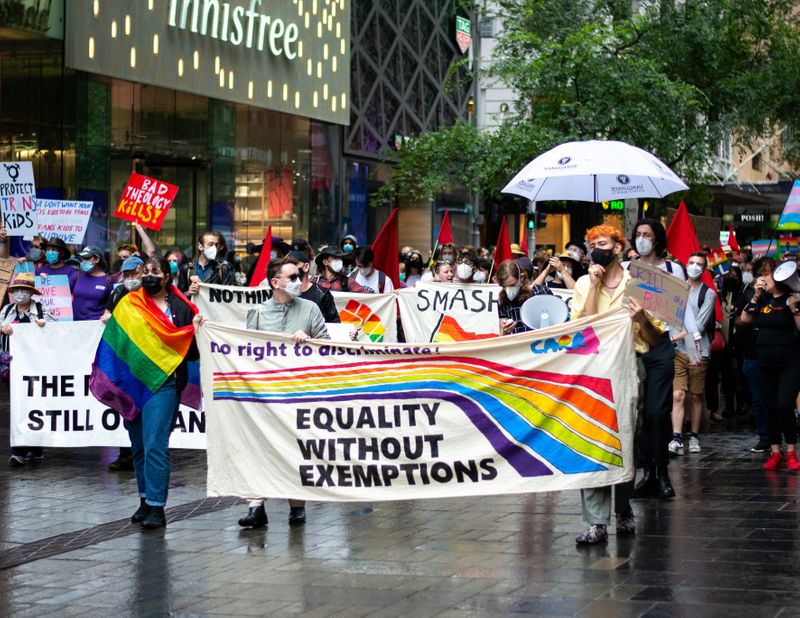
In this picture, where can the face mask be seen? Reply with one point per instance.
(464, 271)
(273, 255)
(52, 257)
(479, 277)
(21, 296)
(347, 248)
(86, 266)
(293, 288)
(415, 264)
(548, 279)
(366, 271)
(152, 284)
(512, 291)
(576, 255)
(694, 271)
(173, 268)
(336, 265)
(302, 274)
(747, 277)
(644, 246)
(568, 270)
(132, 284)
(602, 257)
(447, 258)
(210, 253)
(35, 254)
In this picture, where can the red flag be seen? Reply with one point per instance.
(260, 272)
(386, 251)
(732, 242)
(524, 244)
(502, 250)
(445, 232)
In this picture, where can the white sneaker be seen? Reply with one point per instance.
(675, 446)
(694, 444)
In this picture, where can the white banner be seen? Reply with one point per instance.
(63, 219)
(375, 315)
(229, 304)
(447, 312)
(541, 411)
(50, 400)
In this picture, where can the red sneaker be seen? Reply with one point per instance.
(773, 462)
(792, 464)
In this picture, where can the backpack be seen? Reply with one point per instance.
(711, 327)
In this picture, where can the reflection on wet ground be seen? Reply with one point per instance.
(728, 545)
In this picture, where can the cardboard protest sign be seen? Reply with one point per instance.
(55, 296)
(50, 400)
(658, 292)
(63, 219)
(548, 410)
(7, 269)
(445, 312)
(146, 201)
(18, 198)
(374, 315)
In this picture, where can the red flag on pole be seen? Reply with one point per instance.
(502, 250)
(445, 232)
(386, 250)
(732, 242)
(260, 272)
(524, 244)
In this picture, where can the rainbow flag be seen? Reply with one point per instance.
(140, 349)
(787, 244)
(448, 330)
(718, 261)
(790, 217)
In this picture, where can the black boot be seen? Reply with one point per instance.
(646, 487)
(155, 518)
(297, 515)
(141, 512)
(664, 488)
(255, 518)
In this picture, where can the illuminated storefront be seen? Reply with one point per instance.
(237, 102)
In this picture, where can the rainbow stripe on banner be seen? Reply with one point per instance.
(761, 248)
(539, 421)
(448, 330)
(140, 349)
(790, 217)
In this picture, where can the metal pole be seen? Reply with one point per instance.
(532, 232)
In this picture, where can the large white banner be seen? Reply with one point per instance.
(229, 304)
(540, 411)
(50, 400)
(447, 312)
(374, 315)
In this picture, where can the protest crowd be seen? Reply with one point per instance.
(736, 359)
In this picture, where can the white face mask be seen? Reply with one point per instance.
(21, 296)
(512, 291)
(747, 277)
(463, 271)
(576, 255)
(210, 252)
(365, 271)
(694, 270)
(293, 288)
(336, 265)
(644, 246)
(132, 284)
(273, 255)
(479, 277)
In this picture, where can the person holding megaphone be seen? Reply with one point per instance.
(775, 312)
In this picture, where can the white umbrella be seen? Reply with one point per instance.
(594, 171)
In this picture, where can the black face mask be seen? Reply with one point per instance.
(602, 257)
(152, 284)
(415, 264)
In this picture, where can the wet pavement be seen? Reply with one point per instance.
(727, 545)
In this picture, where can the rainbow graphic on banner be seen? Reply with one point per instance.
(448, 330)
(361, 315)
(538, 421)
(790, 217)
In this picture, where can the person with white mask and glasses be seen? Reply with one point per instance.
(692, 349)
(466, 267)
(209, 266)
(285, 313)
(517, 288)
(330, 267)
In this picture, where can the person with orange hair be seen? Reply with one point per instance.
(598, 291)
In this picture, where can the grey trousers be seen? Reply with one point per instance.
(596, 503)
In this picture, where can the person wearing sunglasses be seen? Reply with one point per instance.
(286, 313)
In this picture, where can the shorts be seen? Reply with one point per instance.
(689, 377)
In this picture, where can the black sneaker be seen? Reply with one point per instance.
(761, 446)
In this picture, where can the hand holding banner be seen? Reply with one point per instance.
(146, 201)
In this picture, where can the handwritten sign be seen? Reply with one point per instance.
(658, 292)
(55, 296)
(66, 220)
(18, 198)
(146, 200)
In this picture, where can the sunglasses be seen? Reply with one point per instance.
(293, 277)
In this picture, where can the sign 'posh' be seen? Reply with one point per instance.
(146, 201)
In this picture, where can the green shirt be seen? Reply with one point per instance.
(288, 318)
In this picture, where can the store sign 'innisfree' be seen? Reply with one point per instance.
(291, 56)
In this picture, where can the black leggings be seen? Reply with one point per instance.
(655, 430)
(780, 386)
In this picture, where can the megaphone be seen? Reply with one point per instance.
(543, 310)
(786, 273)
